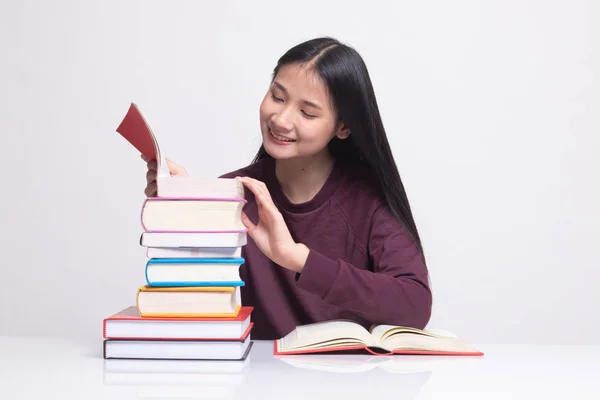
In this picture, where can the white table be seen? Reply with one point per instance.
(43, 368)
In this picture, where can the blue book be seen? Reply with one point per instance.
(163, 272)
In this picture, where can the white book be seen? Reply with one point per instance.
(194, 252)
(177, 349)
(193, 239)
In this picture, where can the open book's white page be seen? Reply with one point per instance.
(329, 331)
(379, 331)
(163, 167)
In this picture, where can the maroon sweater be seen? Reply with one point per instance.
(362, 266)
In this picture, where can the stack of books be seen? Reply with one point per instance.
(190, 306)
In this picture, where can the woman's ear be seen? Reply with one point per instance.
(343, 131)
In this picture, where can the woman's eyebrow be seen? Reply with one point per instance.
(280, 86)
(307, 102)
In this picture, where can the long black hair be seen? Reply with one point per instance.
(347, 79)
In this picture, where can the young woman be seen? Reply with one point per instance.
(331, 233)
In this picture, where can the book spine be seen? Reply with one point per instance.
(195, 283)
(203, 231)
(207, 260)
(237, 199)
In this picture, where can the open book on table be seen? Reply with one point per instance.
(339, 335)
(136, 130)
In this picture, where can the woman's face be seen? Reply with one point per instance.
(296, 117)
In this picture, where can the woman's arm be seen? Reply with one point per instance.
(395, 292)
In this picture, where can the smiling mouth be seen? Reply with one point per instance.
(280, 138)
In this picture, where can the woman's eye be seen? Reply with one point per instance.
(307, 115)
(275, 98)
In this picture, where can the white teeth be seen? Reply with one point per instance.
(283, 139)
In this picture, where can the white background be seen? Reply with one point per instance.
(491, 109)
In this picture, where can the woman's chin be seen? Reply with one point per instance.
(277, 154)
(276, 151)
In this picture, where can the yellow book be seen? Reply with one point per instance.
(190, 302)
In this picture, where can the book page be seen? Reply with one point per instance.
(162, 170)
(382, 332)
(412, 341)
(329, 334)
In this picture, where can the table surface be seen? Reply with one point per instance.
(50, 368)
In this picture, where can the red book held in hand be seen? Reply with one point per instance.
(136, 130)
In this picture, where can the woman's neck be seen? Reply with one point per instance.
(302, 178)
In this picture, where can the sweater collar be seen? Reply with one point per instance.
(280, 199)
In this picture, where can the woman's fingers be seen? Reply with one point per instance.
(258, 188)
(150, 190)
(258, 194)
(263, 198)
(152, 164)
(176, 169)
(262, 195)
(247, 223)
(151, 176)
(263, 188)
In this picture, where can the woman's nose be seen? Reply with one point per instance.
(282, 121)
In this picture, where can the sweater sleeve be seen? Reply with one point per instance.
(394, 291)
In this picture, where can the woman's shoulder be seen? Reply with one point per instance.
(359, 189)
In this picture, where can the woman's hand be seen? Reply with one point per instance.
(174, 169)
(271, 234)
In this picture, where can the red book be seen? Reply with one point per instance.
(127, 324)
(136, 130)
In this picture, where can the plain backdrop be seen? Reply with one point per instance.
(491, 109)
